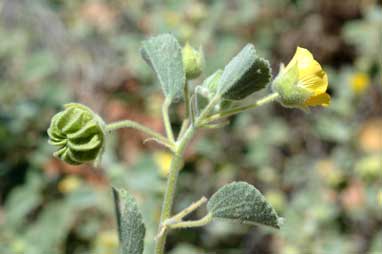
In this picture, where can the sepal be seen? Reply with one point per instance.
(291, 94)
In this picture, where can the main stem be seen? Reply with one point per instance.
(175, 167)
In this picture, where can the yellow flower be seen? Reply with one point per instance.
(303, 82)
(380, 198)
(163, 161)
(359, 82)
(69, 184)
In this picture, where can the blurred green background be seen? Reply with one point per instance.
(320, 170)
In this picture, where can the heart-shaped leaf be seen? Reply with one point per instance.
(164, 54)
(243, 202)
(131, 228)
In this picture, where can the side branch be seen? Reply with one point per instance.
(132, 124)
(192, 224)
(237, 110)
(166, 120)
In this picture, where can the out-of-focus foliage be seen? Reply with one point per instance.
(321, 170)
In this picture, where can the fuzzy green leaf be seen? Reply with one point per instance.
(243, 202)
(131, 228)
(245, 74)
(164, 54)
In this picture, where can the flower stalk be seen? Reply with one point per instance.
(132, 124)
(192, 224)
(179, 216)
(237, 110)
(166, 119)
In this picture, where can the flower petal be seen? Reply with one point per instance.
(317, 84)
(293, 61)
(311, 74)
(306, 61)
(318, 100)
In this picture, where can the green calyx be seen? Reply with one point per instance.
(286, 84)
(192, 61)
(78, 133)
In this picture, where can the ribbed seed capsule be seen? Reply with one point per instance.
(78, 133)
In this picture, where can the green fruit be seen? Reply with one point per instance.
(78, 133)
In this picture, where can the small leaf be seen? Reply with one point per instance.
(164, 54)
(131, 229)
(243, 202)
(245, 74)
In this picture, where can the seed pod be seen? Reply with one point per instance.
(78, 133)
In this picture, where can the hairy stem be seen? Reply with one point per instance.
(187, 99)
(234, 111)
(194, 223)
(179, 216)
(166, 119)
(183, 128)
(187, 114)
(175, 167)
(131, 124)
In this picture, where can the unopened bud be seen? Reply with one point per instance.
(192, 61)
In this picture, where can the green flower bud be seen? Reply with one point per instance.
(78, 133)
(192, 61)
